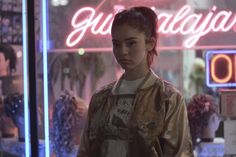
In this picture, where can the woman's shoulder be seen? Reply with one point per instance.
(168, 88)
(104, 90)
(100, 96)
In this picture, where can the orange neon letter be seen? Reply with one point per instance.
(235, 68)
(213, 70)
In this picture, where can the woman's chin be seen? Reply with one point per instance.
(126, 67)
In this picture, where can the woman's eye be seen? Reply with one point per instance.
(115, 44)
(131, 43)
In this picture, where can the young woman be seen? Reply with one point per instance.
(204, 122)
(140, 115)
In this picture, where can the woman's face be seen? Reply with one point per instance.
(129, 47)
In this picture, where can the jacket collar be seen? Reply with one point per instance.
(153, 78)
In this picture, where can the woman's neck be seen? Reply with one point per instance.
(135, 74)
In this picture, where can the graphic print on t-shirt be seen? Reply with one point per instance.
(119, 118)
(121, 112)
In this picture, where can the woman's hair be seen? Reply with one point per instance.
(142, 18)
(14, 106)
(200, 108)
(10, 55)
(65, 117)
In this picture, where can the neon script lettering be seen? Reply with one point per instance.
(193, 25)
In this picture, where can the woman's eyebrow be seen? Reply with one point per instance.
(131, 38)
(126, 39)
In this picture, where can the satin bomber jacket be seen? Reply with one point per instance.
(159, 108)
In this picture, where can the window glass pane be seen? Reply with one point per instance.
(80, 59)
(12, 121)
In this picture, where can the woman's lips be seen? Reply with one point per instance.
(126, 61)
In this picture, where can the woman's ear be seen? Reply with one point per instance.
(150, 43)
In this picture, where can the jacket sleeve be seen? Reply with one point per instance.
(84, 141)
(175, 139)
(83, 147)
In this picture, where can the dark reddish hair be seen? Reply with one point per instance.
(200, 108)
(142, 18)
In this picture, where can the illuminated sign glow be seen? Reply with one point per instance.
(25, 79)
(221, 68)
(183, 22)
(45, 76)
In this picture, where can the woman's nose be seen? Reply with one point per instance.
(124, 50)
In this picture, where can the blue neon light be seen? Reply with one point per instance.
(25, 78)
(45, 77)
(209, 54)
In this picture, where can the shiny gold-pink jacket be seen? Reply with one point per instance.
(159, 109)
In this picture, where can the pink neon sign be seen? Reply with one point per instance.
(193, 25)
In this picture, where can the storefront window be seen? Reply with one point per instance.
(80, 58)
(14, 123)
